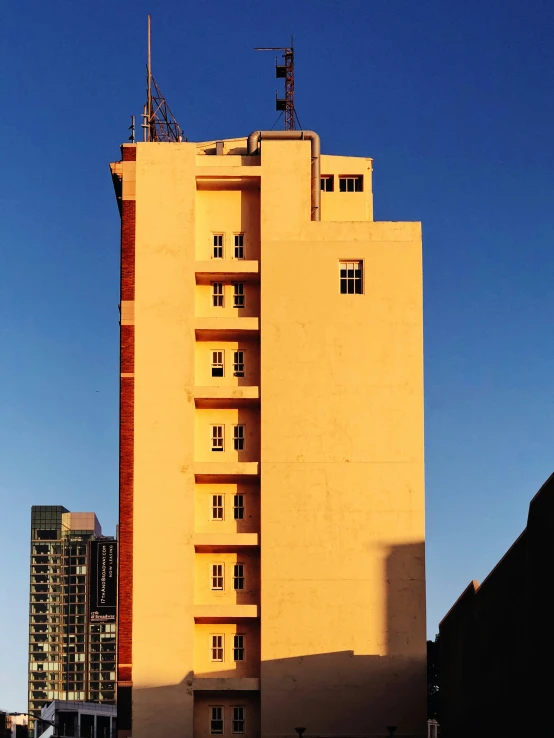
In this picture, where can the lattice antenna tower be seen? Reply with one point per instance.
(285, 71)
(159, 123)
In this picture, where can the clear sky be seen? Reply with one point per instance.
(455, 103)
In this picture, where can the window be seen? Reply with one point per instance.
(217, 251)
(217, 648)
(217, 507)
(238, 719)
(238, 577)
(216, 720)
(217, 294)
(238, 437)
(238, 647)
(351, 183)
(327, 183)
(217, 576)
(217, 438)
(351, 277)
(239, 295)
(217, 363)
(238, 507)
(238, 364)
(239, 245)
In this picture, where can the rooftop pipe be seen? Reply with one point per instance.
(256, 136)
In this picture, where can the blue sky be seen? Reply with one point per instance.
(454, 102)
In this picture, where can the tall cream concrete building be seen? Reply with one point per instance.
(272, 480)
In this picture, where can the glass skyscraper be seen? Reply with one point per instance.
(72, 613)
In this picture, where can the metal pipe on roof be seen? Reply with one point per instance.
(252, 147)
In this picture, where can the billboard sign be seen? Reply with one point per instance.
(103, 581)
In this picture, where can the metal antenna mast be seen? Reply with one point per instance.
(159, 123)
(285, 71)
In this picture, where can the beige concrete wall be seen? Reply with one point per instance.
(163, 591)
(203, 508)
(342, 502)
(250, 702)
(227, 212)
(205, 667)
(204, 595)
(206, 309)
(203, 365)
(339, 512)
(347, 206)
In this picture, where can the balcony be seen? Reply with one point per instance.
(226, 329)
(226, 397)
(227, 270)
(223, 684)
(211, 542)
(224, 613)
(210, 472)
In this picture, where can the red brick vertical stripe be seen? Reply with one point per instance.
(126, 466)
(129, 153)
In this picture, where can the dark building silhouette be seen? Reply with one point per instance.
(497, 640)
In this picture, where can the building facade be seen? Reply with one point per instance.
(496, 640)
(72, 614)
(77, 720)
(271, 459)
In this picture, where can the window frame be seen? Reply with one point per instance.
(239, 647)
(239, 437)
(218, 447)
(238, 576)
(218, 297)
(216, 364)
(238, 247)
(328, 179)
(219, 719)
(238, 507)
(356, 179)
(239, 720)
(239, 295)
(216, 575)
(357, 265)
(218, 246)
(237, 371)
(217, 507)
(217, 646)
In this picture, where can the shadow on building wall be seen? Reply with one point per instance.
(332, 694)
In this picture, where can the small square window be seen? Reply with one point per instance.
(217, 438)
(238, 437)
(351, 183)
(216, 576)
(238, 364)
(239, 245)
(239, 295)
(217, 249)
(217, 648)
(351, 277)
(327, 183)
(217, 507)
(238, 507)
(217, 363)
(238, 578)
(238, 719)
(217, 294)
(216, 720)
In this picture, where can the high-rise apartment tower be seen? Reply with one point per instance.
(271, 479)
(72, 614)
